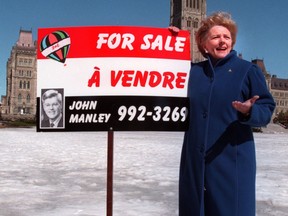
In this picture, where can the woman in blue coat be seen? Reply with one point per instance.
(228, 96)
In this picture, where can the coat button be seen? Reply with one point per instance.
(204, 114)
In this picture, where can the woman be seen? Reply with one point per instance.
(228, 96)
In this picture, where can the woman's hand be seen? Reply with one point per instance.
(174, 29)
(245, 107)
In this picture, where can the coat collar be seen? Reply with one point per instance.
(220, 62)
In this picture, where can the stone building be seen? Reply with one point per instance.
(187, 15)
(21, 77)
(278, 88)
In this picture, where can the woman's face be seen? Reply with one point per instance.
(218, 43)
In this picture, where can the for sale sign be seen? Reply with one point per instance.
(108, 77)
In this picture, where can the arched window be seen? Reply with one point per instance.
(28, 98)
(28, 84)
(19, 98)
(20, 84)
(189, 22)
(195, 23)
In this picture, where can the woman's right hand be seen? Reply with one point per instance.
(174, 29)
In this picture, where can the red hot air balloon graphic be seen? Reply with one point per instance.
(55, 46)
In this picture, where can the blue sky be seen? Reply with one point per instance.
(263, 25)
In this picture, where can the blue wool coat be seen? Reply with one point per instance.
(218, 166)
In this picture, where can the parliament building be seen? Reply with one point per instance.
(21, 77)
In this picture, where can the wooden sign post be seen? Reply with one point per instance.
(110, 162)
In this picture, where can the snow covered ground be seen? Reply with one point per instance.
(64, 174)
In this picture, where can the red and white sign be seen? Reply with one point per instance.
(112, 61)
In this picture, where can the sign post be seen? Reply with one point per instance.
(112, 78)
(110, 162)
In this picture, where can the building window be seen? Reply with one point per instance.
(189, 22)
(20, 61)
(25, 62)
(195, 23)
(20, 84)
(28, 98)
(19, 98)
(28, 85)
(189, 3)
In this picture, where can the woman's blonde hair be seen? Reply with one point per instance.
(218, 18)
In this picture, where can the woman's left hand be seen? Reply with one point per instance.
(245, 107)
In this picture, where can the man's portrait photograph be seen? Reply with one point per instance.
(52, 108)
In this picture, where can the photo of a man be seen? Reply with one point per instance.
(52, 108)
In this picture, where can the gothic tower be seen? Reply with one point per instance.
(22, 76)
(187, 15)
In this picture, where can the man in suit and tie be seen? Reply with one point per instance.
(52, 106)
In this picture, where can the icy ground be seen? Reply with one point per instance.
(64, 174)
